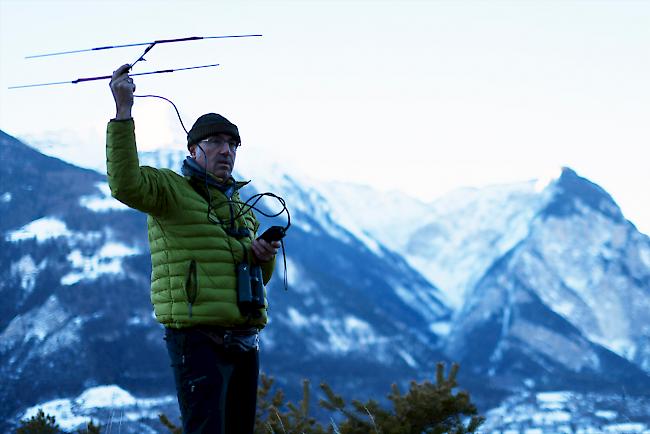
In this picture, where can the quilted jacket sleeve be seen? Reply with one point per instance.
(143, 188)
(267, 270)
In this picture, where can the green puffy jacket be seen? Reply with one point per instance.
(193, 260)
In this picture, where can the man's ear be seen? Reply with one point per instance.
(193, 151)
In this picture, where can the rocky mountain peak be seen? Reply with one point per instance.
(573, 194)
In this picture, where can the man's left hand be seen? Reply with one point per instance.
(263, 250)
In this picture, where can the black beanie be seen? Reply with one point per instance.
(208, 125)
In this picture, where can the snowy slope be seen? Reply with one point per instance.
(451, 241)
(388, 217)
(469, 229)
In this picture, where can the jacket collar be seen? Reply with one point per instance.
(192, 170)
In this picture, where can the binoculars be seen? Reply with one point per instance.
(250, 288)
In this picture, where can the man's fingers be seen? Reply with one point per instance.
(121, 81)
(256, 249)
(121, 78)
(260, 253)
(121, 70)
(264, 250)
(270, 247)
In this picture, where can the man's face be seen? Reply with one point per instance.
(216, 154)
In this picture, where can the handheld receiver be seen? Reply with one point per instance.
(274, 233)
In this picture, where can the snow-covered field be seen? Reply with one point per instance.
(110, 406)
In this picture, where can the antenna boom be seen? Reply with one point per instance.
(137, 44)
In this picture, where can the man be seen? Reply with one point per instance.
(199, 236)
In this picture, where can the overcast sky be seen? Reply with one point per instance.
(421, 96)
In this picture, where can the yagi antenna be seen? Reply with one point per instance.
(150, 45)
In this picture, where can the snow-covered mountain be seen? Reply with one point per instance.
(453, 240)
(549, 282)
(541, 273)
(535, 288)
(571, 228)
(574, 291)
(75, 278)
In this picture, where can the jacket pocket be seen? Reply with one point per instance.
(191, 286)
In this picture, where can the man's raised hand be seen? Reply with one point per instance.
(123, 88)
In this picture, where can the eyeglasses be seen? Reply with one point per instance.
(219, 142)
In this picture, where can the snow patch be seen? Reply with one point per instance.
(350, 334)
(564, 308)
(27, 271)
(440, 328)
(553, 398)
(408, 358)
(42, 229)
(298, 281)
(420, 299)
(108, 260)
(551, 417)
(626, 428)
(135, 321)
(94, 403)
(61, 409)
(306, 227)
(116, 250)
(103, 202)
(105, 396)
(297, 319)
(644, 253)
(606, 414)
(623, 347)
(6, 197)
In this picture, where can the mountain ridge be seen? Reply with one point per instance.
(550, 299)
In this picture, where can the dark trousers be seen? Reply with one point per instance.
(216, 384)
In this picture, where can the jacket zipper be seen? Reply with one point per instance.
(191, 286)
